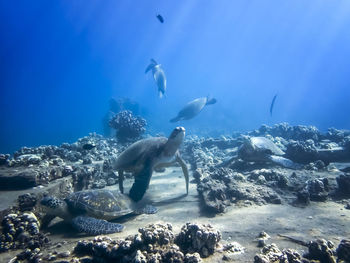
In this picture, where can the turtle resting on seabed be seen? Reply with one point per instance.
(262, 149)
(143, 156)
(88, 211)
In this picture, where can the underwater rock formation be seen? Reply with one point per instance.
(44, 156)
(154, 243)
(321, 250)
(18, 180)
(117, 105)
(30, 177)
(315, 190)
(271, 253)
(343, 182)
(27, 201)
(159, 234)
(202, 239)
(288, 132)
(248, 181)
(302, 151)
(35, 166)
(128, 126)
(4, 158)
(343, 250)
(220, 187)
(21, 231)
(222, 181)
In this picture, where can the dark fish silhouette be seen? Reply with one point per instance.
(272, 104)
(88, 146)
(160, 18)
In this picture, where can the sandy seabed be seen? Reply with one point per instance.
(329, 220)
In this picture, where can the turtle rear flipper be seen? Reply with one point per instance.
(141, 183)
(148, 209)
(284, 162)
(93, 226)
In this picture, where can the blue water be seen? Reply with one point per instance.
(61, 62)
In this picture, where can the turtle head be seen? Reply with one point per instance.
(177, 135)
(211, 101)
(247, 148)
(54, 206)
(174, 140)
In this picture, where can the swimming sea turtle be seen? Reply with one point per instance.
(143, 156)
(88, 211)
(193, 108)
(262, 149)
(158, 75)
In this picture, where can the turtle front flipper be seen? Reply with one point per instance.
(93, 226)
(284, 162)
(184, 170)
(141, 183)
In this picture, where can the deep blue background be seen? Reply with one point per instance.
(61, 61)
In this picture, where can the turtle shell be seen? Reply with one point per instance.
(133, 158)
(258, 149)
(265, 145)
(103, 204)
(192, 108)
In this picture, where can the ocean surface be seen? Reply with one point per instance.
(62, 61)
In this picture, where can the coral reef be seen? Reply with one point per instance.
(220, 187)
(343, 250)
(21, 231)
(154, 243)
(288, 132)
(44, 156)
(343, 182)
(3, 158)
(128, 126)
(27, 201)
(321, 250)
(271, 253)
(302, 151)
(315, 190)
(202, 239)
(222, 180)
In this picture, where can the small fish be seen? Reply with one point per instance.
(272, 104)
(88, 146)
(160, 18)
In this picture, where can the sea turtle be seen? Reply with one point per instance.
(193, 108)
(143, 156)
(88, 211)
(262, 149)
(158, 75)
